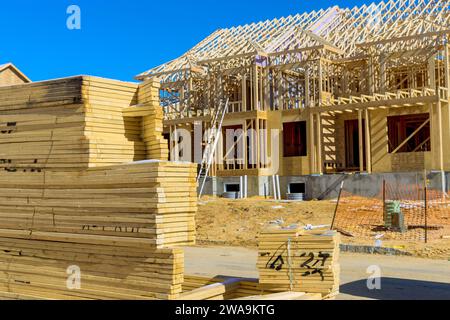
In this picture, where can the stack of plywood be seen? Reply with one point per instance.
(74, 204)
(152, 121)
(112, 138)
(153, 201)
(38, 269)
(292, 259)
(68, 124)
(115, 223)
(229, 288)
(42, 126)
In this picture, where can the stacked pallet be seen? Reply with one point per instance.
(152, 121)
(68, 124)
(116, 224)
(292, 259)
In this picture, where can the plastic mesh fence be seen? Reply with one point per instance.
(364, 217)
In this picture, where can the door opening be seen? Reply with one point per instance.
(352, 159)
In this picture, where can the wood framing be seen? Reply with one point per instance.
(324, 67)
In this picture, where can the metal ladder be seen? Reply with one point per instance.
(211, 146)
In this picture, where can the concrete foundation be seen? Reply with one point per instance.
(325, 187)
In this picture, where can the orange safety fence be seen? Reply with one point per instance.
(425, 218)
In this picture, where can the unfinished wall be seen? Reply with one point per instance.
(288, 166)
(382, 160)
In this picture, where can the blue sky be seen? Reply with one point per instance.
(121, 38)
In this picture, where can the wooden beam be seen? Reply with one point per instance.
(368, 142)
(311, 143)
(244, 91)
(319, 144)
(441, 136)
(410, 137)
(379, 104)
(360, 141)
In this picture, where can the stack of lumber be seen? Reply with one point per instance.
(293, 259)
(42, 126)
(117, 224)
(152, 121)
(77, 194)
(217, 290)
(112, 138)
(151, 203)
(194, 286)
(37, 269)
(68, 124)
(229, 288)
(284, 296)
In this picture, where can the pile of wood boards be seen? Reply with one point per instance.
(152, 121)
(64, 270)
(83, 215)
(229, 288)
(293, 259)
(115, 223)
(149, 203)
(68, 124)
(112, 138)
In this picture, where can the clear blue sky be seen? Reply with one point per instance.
(121, 38)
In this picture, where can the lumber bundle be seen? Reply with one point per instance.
(113, 138)
(152, 120)
(150, 203)
(42, 126)
(74, 200)
(74, 124)
(229, 288)
(117, 224)
(35, 269)
(293, 259)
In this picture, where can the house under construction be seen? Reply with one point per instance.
(362, 90)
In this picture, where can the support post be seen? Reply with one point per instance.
(383, 77)
(360, 142)
(255, 88)
(241, 187)
(307, 93)
(319, 144)
(320, 81)
(425, 197)
(441, 146)
(312, 144)
(274, 186)
(368, 143)
(244, 91)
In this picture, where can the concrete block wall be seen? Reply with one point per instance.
(325, 187)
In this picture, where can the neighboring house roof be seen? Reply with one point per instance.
(11, 66)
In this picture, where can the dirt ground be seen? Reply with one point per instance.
(238, 222)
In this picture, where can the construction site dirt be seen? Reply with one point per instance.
(238, 223)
